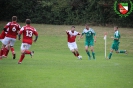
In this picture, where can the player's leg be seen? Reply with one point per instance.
(87, 51)
(13, 52)
(111, 51)
(76, 49)
(92, 50)
(27, 51)
(6, 50)
(77, 54)
(12, 42)
(119, 51)
(23, 48)
(74, 53)
(2, 51)
(110, 54)
(21, 57)
(122, 51)
(4, 43)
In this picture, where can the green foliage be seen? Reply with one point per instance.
(64, 12)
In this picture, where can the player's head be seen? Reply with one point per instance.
(72, 28)
(14, 18)
(87, 26)
(115, 28)
(28, 21)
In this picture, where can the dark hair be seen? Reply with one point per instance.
(116, 27)
(86, 24)
(28, 21)
(73, 27)
(14, 18)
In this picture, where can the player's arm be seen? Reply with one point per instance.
(6, 26)
(19, 28)
(79, 33)
(81, 36)
(115, 38)
(5, 29)
(67, 31)
(36, 36)
(19, 35)
(95, 37)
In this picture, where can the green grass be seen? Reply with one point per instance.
(54, 66)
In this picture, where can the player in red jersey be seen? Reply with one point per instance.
(13, 28)
(28, 32)
(2, 36)
(71, 36)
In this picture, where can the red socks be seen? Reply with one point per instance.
(1, 52)
(27, 52)
(6, 53)
(76, 54)
(22, 57)
(12, 50)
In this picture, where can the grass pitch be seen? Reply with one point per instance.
(54, 66)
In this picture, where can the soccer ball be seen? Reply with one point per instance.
(80, 57)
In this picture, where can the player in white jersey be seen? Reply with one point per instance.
(71, 36)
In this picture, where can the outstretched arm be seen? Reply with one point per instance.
(67, 31)
(81, 36)
(115, 38)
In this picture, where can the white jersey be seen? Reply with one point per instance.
(85, 31)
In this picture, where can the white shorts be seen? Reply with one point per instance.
(6, 41)
(25, 46)
(72, 46)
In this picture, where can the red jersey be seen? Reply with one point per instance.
(3, 34)
(28, 32)
(13, 28)
(72, 36)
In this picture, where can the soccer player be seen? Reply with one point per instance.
(2, 36)
(71, 36)
(27, 31)
(89, 41)
(13, 28)
(115, 44)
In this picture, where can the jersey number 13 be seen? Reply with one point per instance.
(29, 33)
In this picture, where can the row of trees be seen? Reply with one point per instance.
(65, 11)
